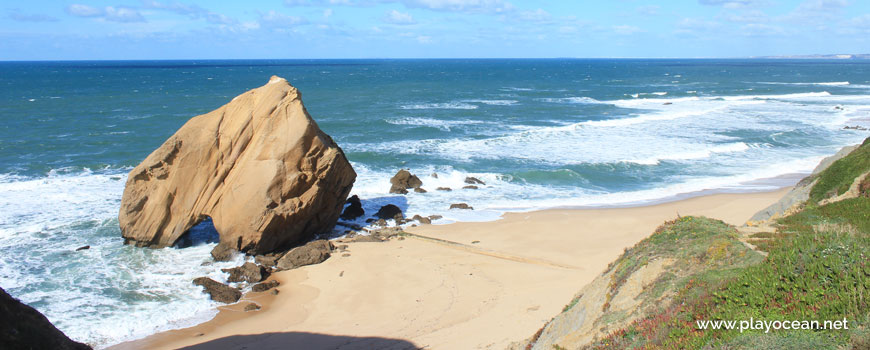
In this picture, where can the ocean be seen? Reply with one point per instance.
(541, 133)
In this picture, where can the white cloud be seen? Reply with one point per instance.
(327, 13)
(110, 13)
(424, 39)
(753, 16)
(84, 11)
(396, 17)
(650, 10)
(476, 6)
(276, 20)
(191, 11)
(538, 15)
(16, 15)
(734, 3)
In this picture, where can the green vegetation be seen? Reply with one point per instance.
(837, 178)
(817, 269)
(691, 246)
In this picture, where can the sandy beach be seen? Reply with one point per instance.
(457, 286)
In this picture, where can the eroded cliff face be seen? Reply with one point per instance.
(259, 166)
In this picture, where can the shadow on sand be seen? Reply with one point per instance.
(303, 341)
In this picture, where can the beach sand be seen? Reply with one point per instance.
(457, 286)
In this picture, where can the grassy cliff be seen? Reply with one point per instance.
(816, 268)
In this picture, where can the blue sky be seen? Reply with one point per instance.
(189, 29)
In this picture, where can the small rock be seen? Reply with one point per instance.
(448, 189)
(248, 272)
(345, 255)
(434, 175)
(365, 238)
(223, 252)
(421, 219)
(313, 252)
(262, 287)
(381, 222)
(268, 259)
(668, 103)
(461, 206)
(473, 181)
(420, 190)
(370, 220)
(404, 180)
(354, 210)
(341, 274)
(388, 211)
(470, 187)
(342, 247)
(475, 242)
(252, 307)
(435, 217)
(218, 291)
(86, 247)
(274, 292)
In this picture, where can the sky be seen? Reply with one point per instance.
(276, 29)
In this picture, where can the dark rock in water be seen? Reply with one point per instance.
(370, 220)
(262, 287)
(473, 181)
(252, 307)
(420, 190)
(668, 103)
(218, 291)
(388, 211)
(249, 272)
(86, 247)
(314, 252)
(222, 252)
(381, 222)
(354, 210)
(22, 327)
(435, 217)
(470, 187)
(444, 189)
(461, 206)
(352, 199)
(434, 175)
(422, 219)
(404, 180)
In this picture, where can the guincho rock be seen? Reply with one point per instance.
(259, 166)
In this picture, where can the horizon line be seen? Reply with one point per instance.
(794, 57)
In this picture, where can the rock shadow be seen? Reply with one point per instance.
(303, 340)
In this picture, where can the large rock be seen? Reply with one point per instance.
(259, 166)
(218, 291)
(312, 253)
(22, 327)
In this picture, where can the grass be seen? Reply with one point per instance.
(817, 269)
(837, 178)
